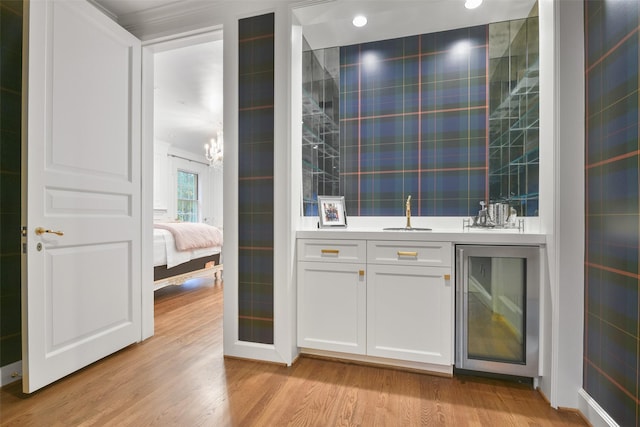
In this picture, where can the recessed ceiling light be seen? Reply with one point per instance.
(472, 4)
(360, 21)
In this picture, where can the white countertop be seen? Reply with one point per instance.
(450, 230)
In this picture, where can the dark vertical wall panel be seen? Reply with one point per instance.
(10, 144)
(413, 121)
(255, 174)
(612, 234)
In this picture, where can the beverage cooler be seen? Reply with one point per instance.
(498, 309)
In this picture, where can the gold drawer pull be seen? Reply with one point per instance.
(360, 272)
(330, 251)
(402, 253)
(447, 277)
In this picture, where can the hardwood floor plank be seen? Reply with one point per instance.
(179, 377)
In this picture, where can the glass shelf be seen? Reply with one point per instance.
(514, 117)
(320, 128)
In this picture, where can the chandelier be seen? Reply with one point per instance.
(213, 152)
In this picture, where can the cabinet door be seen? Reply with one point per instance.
(410, 313)
(332, 306)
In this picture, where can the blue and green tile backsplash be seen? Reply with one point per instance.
(255, 179)
(414, 121)
(612, 234)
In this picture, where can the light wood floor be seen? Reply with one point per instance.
(180, 378)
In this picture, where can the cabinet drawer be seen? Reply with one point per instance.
(433, 254)
(322, 250)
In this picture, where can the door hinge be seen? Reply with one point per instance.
(24, 231)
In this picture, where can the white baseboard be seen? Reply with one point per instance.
(10, 373)
(430, 368)
(593, 412)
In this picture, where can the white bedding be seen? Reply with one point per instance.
(165, 253)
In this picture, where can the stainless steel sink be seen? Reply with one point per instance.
(406, 229)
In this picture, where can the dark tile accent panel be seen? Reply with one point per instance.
(612, 234)
(255, 174)
(10, 145)
(413, 121)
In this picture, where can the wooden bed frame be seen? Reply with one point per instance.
(199, 267)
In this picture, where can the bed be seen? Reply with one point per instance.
(182, 251)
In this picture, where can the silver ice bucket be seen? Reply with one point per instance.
(499, 213)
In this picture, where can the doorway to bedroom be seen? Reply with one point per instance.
(188, 153)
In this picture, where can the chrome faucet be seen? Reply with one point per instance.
(408, 205)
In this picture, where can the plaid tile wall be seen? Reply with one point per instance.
(413, 121)
(10, 145)
(612, 336)
(255, 175)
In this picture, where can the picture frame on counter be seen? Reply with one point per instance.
(331, 212)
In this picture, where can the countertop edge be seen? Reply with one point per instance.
(508, 237)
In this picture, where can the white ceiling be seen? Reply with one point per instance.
(188, 82)
(119, 8)
(328, 24)
(188, 95)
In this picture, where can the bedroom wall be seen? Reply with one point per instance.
(166, 167)
(10, 173)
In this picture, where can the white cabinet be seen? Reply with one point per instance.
(332, 306)
(410, 301)
(386, 300)
(332, 295)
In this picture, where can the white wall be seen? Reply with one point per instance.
(181, 24)
(570, 200)
(174, 24)
(167, 161)
(562, 140)
(547, 27)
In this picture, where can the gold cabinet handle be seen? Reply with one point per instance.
(447, 277)
(330, 251)
(360, 272)
(402, 253)
(41, 230)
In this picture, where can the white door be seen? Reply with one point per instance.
(83, 286)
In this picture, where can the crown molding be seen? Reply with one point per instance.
(167, 16)
(305, 3)
(192, 14)
(104, 10)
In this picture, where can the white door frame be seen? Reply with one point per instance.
(149, 49)
(288, 100)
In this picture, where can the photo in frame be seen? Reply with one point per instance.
(331, 211)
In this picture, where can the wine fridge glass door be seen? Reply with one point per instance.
(497, 309)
